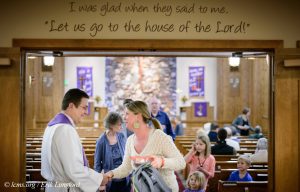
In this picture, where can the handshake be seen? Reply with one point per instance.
(106, 178)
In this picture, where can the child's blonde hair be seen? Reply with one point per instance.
(246, 158)
(200, 177)
(205, 139)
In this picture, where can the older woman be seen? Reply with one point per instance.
(109, 151)
(150, 142)
(261, 152)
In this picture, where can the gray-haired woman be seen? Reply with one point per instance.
(109, 153)
(261, 152)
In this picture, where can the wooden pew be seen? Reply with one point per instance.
(233, 165)
(33, 159)
(241, 151)
(254, 186)
(228, 162)
(37, 164)
(183, 143)
(223, 174)
(90, 158)
(33, 156)
(38, 150)
(35, 186)
(226, 157)
(35, 175)
(34, 164)
(217, 158)
(39, 142)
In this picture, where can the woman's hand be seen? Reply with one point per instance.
(109, 175)
(156, 162)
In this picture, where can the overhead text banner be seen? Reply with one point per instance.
(147, 17)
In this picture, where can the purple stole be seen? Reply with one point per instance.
(61, 118)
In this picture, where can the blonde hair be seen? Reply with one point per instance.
(140, 107)
(205, 139)
(200, 177)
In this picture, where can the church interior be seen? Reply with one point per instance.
(216, 92)
(208, 62)
(195, 86)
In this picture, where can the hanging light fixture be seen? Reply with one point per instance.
(234, 61)
(48, 60)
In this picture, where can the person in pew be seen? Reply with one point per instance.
(213, 133)
(206, 127)
(201, 132)
(63, 161)
(235, 134)
(221, 147)
(148, 143)
(241, 174)
(178, 126)
(261, 152)
(161, 116)
(196, 182)
(230, 141)
(257, 133)
(242, 122)
(109, 152)
(200, 159)
(126, 131)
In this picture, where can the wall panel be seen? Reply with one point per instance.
(286, 123)
(11, 136)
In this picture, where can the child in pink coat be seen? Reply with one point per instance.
(199, 157)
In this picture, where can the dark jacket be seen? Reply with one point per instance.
(221, 148)
(103, 158)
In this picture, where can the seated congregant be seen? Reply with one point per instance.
(221, 147)
(241, 174)
(178, 126)
(257, 133)
(213, 133)
(261, 152)
(231, 142)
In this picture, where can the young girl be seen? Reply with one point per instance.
(200, 159)
(196, 182)
(241, 174)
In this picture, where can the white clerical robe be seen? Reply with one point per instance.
(62, 161)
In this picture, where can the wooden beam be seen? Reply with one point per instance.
(4, 62)
(292, 63)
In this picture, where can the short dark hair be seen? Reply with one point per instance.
(73, 96)
(257, 129)
(112, 118)
(222, 134)
(245, 110)
(126, 101)
(214, 126)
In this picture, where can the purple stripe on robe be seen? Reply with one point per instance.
(60, 118)
(63, 119)
(85, 161)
